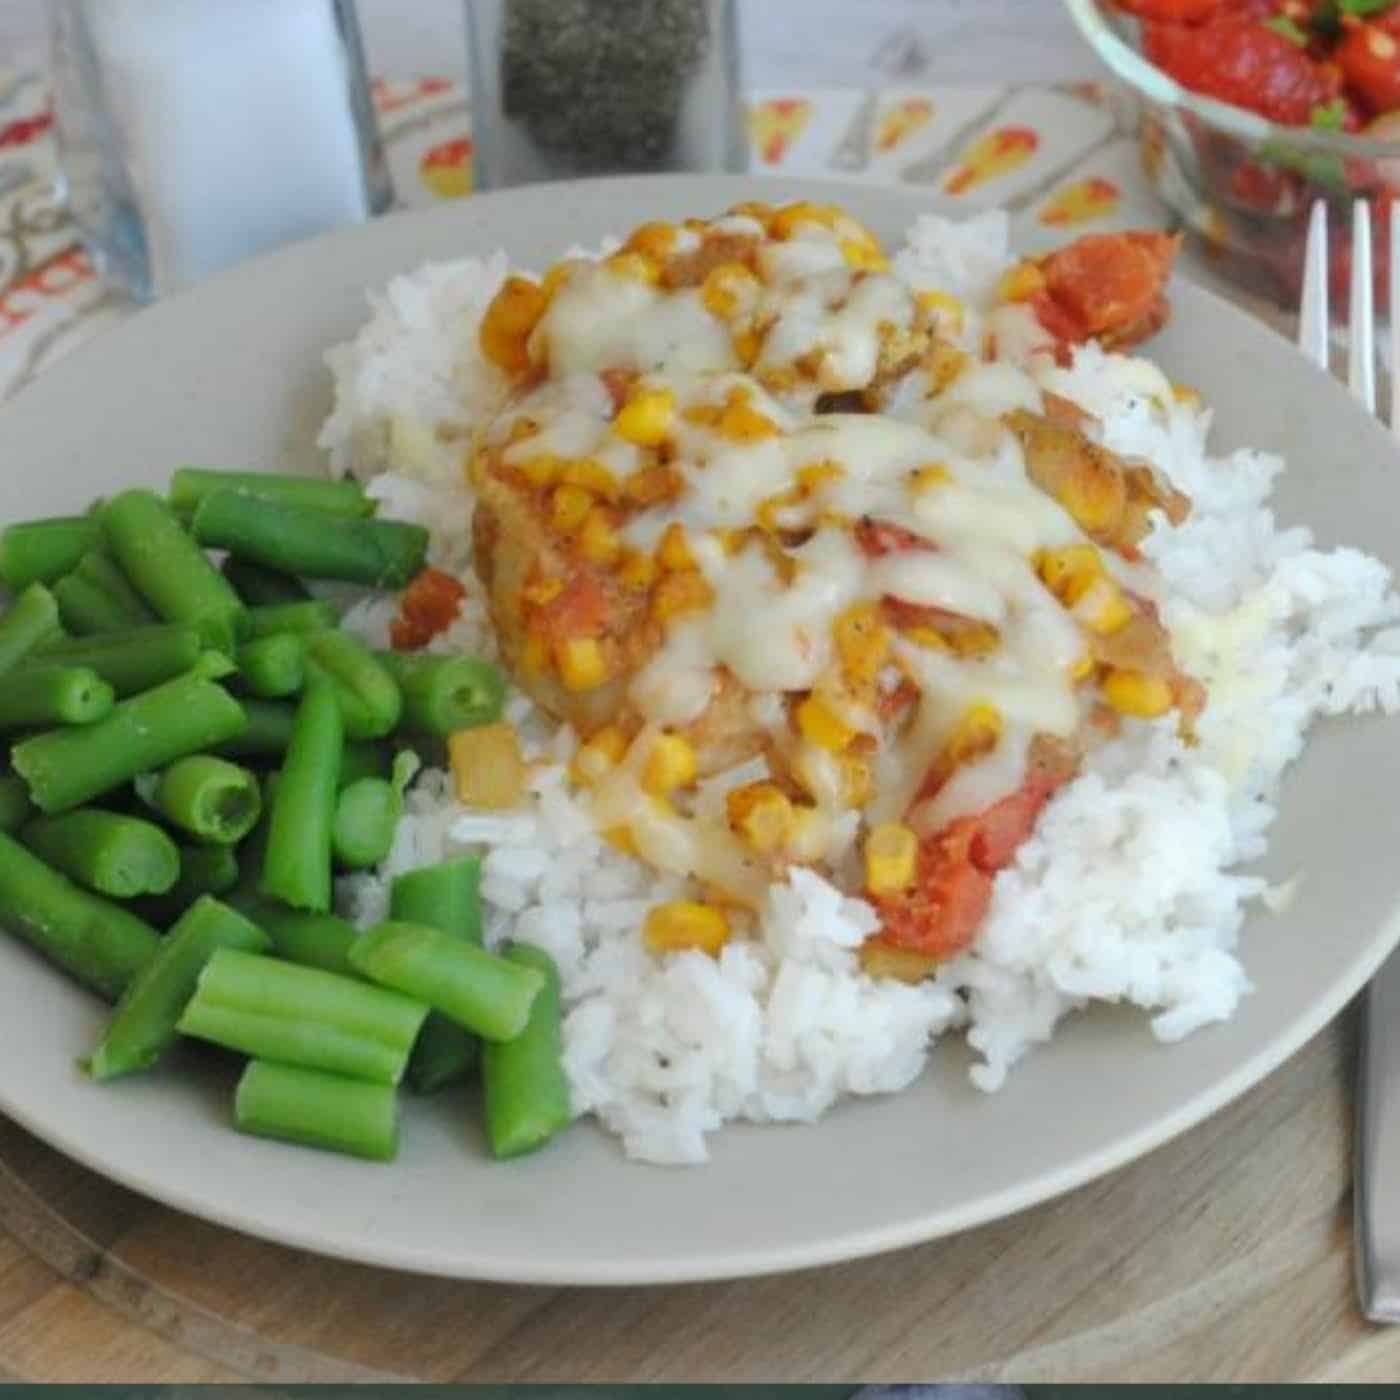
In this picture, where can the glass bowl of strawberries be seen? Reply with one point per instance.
(1254, 109)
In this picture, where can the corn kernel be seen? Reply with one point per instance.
(740, 423)
(1103, 608)
(725, 288)
(670, 765)
(637, 572)
(541, 470)
(862, 642)
(863, 257)
(899, 964)
(891, 855)
(1185, 394)
(747, 346)
(541, 592)
(506, 325)
(488, 767)
(651, 486)
(1069, 573)
(943, 364)
(929, 637)
(785, 222)
(680, 593)
(1133, 693)
(599, 756)
(1021, 283)
(762, 814)
(947, 311)
(703, 415)
(1095, 497)
(976, 733)
(810, 837)
(1083, 668)
(569, 507)
(621, 838)
(598, 540)
(592, 474)
(819, 724)
(522, 428)
(929, 478)
(673, 552)
(683, 924)
(581, 663)
(857, 781)
(655, 239)
(646, 418)
(635, 267)
(818, 474)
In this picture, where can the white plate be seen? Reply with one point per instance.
(231, 374)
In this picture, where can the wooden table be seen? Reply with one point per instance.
(1224, 1256)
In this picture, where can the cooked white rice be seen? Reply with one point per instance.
(1129, 891)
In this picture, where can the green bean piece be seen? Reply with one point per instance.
(15, 806)
(169, 569)
(190, 485)
(370, 698)
(210, 798)
(204, 870)
(367, 815)
(311, 543)
(101, 944)
(312, 940)
(476, 989)
(142, 1027)
(525, 1091)
(447, 897)
(313, 1109)
(308, 615)
(268, 731)
(259, 587)
(293, 1015)
(38, 696)
(297, 867)
(364, 758)
(274, 666)
(131, 660)
(67, 767)
(87, 611)
(109, 852)
(31, 620)
(442, 694)
(97, 569)
(42, 551)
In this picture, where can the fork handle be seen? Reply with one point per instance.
(1377, 1148)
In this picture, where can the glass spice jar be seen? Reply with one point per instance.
(568, 88)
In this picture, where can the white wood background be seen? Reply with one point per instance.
(799, 42)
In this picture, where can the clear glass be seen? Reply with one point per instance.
(194, 133)
(565, 88)
(1246, 184)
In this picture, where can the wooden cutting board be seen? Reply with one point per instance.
(1225, 1256)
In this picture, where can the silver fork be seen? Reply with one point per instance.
(1376, 1152)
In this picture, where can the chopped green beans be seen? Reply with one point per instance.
(313, 940)
(87, 611)
(478, 990)
(143, 1026)
(129, 661)
(447, 897)
(363, 759)
(297, 867)
(317, 1110)
(367, 815)
(273, 666)
(42, 551)
(259, 587)
(311, 543)
(302, 1016)
(308, 615)
(113, 854)
(212, 799)
(203, 870)
(169, 569)
(268, 732)
(525, 1089)
(97, 569)
(38, 696)
(31, 620)
(15, 806)
(66, 767)
(98, 942)
(369, 696)
(190, 485)
(442, 694)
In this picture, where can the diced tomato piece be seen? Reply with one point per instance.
(581, 610)
(877, 538)
(1369, 57)
(1107, 286)
(1177, 11)
(1240, 61)
(1264, 189)
(429, 605)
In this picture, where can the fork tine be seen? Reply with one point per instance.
(1313, 337)
(1361, 366)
